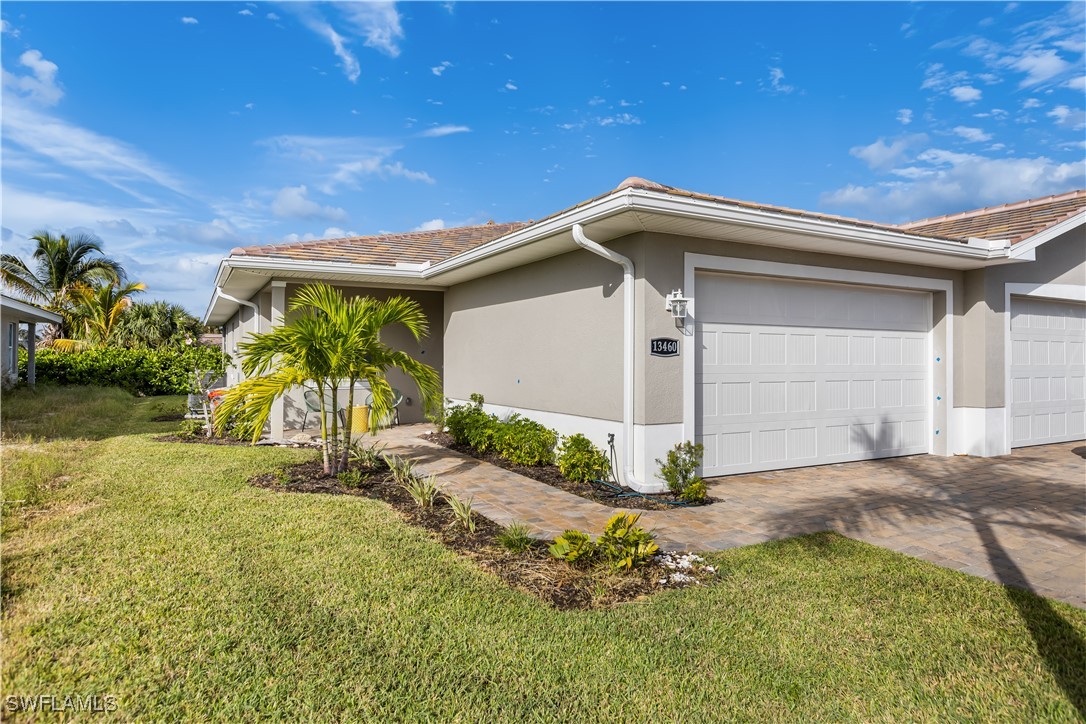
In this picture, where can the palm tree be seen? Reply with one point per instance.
(61, 263)
(155, 324)
(97, 310)
(330, 342)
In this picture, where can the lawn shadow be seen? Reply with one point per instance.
(935, 489)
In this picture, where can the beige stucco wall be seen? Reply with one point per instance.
(546, 336)
(430, 350)
(1060, 261)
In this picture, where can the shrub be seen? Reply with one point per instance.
(470, 425)
(581, 461)
(462, 512)
(139, 371)
(367, 457)
(516, 537)
(696, 492)
(350, 478)
(680, 470)
(191, 428)
(525, 442)
(624, 544)
(573, 546)
(423, 490)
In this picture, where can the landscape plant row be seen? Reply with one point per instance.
(139, 371)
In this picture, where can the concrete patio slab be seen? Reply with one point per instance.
(1019, 519)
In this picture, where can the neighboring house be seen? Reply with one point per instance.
(808, 338)
(13, 314)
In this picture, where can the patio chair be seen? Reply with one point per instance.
(397, 400)
(312, 404)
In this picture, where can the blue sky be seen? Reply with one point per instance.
(176, 131)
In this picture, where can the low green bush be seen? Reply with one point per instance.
(516, 537)
(519, 440)
(191, 428)
(139, 371)
(350, 478)
(581, 461)
(624, 544)
(679, 471)
(573, 546)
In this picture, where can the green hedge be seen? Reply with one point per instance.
(140, 371)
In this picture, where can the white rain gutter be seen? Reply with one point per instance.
(628, 309)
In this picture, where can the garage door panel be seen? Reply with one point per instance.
(844, 377)
(1046, 374)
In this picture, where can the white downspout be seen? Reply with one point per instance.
(256, 317)
(629, 306)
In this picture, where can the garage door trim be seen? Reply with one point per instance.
(1055, 292)
(939, 347)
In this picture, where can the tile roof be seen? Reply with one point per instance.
(415, 247)
(1014, 222)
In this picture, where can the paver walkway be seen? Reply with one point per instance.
(1018, 519)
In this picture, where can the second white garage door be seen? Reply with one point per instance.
(801, 373)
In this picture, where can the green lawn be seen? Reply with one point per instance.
(154, 573)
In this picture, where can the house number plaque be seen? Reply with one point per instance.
(664, 347)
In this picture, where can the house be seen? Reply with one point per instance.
(13, 314)
(776, 337)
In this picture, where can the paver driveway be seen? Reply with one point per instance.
(1018, 519)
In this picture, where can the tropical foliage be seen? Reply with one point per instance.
(60, 265)
(96, 312)
(330, 343)
(156, 324)
(140, 371)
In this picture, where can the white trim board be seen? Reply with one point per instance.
(694, 263)
(1059, 292)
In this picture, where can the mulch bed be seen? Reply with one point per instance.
(169, 417)
(551, 475)
(553, 581)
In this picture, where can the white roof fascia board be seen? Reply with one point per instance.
(1024, 249)
(655, 202)
(27, 312)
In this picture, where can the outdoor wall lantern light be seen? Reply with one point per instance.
(676, 303)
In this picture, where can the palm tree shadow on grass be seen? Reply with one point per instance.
(937, 492)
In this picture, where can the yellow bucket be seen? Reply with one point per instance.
(360, 419)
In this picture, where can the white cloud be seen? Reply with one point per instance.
(189, 20)
(905, 116)
(776, 82)
(431, 225)
(1078, 83)
(8, 28)
(40, 87)
(293, 202)
(596, 101)
(1039, 67)
(881, 155)
(250, 106)
(245, 11)
(965, 94)
(1073, 118)
(510, 85)
(441, 68)
(973, 135)
(377, 23)
(337, 162)
(273, 17)
(621, 119)
(438, 131)
(1031, 103)
(942, 182)
(320, 26)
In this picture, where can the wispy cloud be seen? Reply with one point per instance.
(510, 86)
(338, 162)
(905, 116)
(438, 131)
(973, 135)
(293, 202)
(965, 94)
(441, 68)
(377, 24)
(189, 20)
(776, 82)
(883, 154)
(41, 85)
(245, 11)
(431, 225)
(1073, 118)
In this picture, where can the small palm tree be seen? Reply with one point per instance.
(155, 324)
(331, 341)
(61, 263)
(97, 310)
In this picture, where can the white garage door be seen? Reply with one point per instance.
(800, 373)
(1047, 340)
